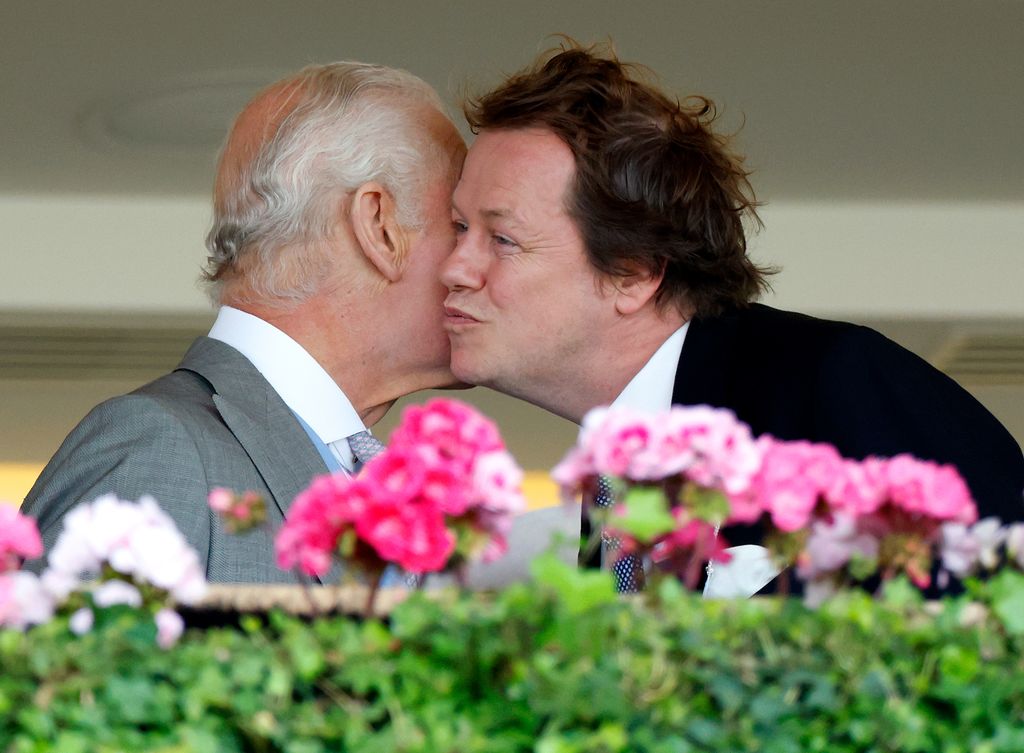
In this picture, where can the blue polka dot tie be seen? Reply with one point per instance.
(628, 570)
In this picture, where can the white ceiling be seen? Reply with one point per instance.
(846, 101)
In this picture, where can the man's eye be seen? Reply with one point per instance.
(502, 240)
(460, 226)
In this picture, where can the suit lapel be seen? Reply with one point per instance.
(285, 458)
(259, 419)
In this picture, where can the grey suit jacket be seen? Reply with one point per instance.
(214, 421)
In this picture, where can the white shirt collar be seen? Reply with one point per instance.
(294, 374)
(651, 389)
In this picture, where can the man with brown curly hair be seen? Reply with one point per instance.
(602, 258)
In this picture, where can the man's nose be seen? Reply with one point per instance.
(462, 268)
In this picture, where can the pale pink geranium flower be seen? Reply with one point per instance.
(1015, 543)
(680, 439)
(169, 627)
(81, 621)
(720, 451)
(106, 526)
(238, 512)
(572, 470)
(990, 534)
(498, 482)
(832, 544)
(818, 591)
(220, 499)
(19, 538)
(959, 549)
(24, 600)
(6, 597)
(139, 540)
(622, 444)
(112, 592)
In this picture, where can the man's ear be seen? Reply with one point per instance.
(636, 290)
(383, 241)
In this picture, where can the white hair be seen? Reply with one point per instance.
(353, 123)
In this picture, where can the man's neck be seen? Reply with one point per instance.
(368, 371)
(600, 378)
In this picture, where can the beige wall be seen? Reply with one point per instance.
(854, 260)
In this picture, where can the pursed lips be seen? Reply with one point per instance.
(456, 316)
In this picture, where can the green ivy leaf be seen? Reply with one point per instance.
(901, 593)
(578, 590)
(646, 515)
(709, 505)
(1007, 591)
(133, 696)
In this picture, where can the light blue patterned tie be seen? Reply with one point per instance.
(628, 570)
(365, 447)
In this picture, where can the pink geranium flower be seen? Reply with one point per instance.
(836, 518)
(316, 520)
(927, 488)
(859, 488)
(707, 445)
(238, 512)
(685, 550)
(411, 534)
(442, 492)
(793, 480)
(19, 538)
(448, 430)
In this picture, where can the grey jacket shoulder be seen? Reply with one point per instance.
(169, 439)
(132, 445)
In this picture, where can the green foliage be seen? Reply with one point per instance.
(645, 514)
(558, 666)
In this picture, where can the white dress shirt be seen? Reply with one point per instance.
(650, 390)
(295, 375)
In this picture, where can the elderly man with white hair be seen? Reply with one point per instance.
(331, 219)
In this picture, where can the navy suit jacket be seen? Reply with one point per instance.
(798, 377)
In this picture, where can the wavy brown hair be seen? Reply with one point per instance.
(655, 190)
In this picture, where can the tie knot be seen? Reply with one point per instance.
(365, 446)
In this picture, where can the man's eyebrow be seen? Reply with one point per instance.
(499, 213)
